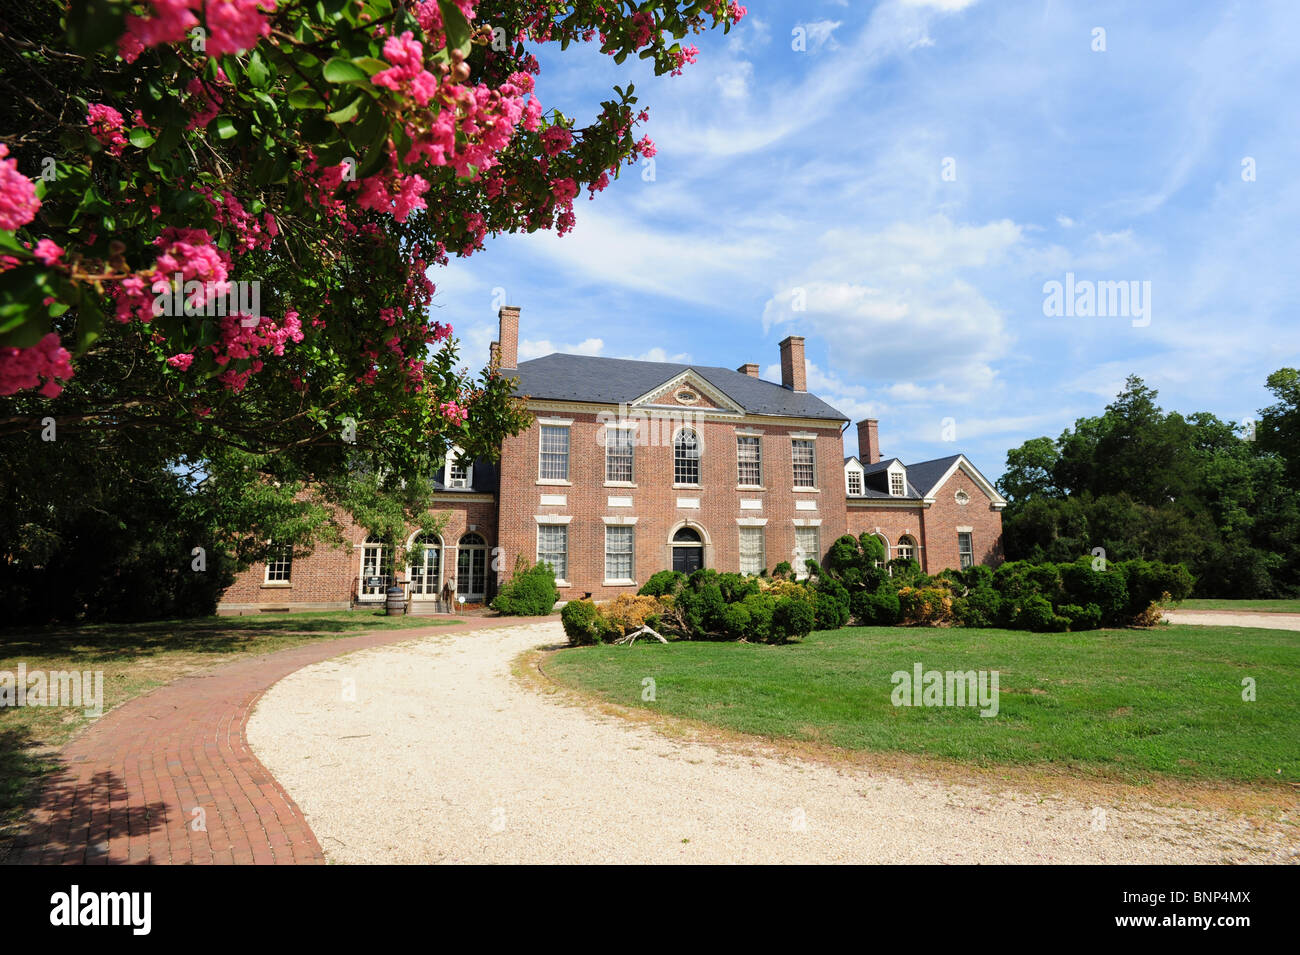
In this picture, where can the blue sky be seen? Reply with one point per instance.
(818, 176)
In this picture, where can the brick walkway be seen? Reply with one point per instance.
(132, 782)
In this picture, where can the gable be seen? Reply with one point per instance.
(688, 391)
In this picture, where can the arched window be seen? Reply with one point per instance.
(884, 542)
(906, 549)
(425, 567)
(686, 457)
(376, 568)
(471, 567)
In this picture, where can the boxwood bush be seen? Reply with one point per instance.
(531, 592)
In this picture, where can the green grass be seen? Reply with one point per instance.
(135, 658)
(1121, 704)
(1243, 606)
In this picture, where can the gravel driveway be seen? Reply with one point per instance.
(441, 756)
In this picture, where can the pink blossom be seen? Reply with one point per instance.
(556, 140)
(171, 20)
(48, 252)
(106, 125)
(181, 361)
(236, 25)
(564, 190)
(22, 368)
(18, 202)
(454, 412)
(686, 55)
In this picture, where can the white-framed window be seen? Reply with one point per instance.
(376, 567)
(618, 552)
(686, 457)
(553, 548)
(855, 482)
(805, 463)
(619, 443)
(965, 549)
(897, 484)
(554, 461)
(279, 564)
(753, 558)
(749, 457)
(905, 549)
(460, 472)
(806, 548)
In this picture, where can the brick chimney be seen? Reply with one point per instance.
(749, 368)
(508, 339)
(794, 373)
(868, 441)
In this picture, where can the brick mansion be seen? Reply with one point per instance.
(631, 467)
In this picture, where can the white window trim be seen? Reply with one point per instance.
(568, 454)
(811, 439)
(740, 537)
(759, 436)
(266, 573)
(537, 552)
(619, 581)
(453, 456)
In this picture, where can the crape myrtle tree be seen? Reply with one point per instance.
(218, 219)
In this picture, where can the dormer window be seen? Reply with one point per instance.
(459, 472)
(855, 482)
(897, 484)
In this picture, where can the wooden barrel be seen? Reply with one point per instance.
(395, 605)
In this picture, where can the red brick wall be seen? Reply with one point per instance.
(945, 515)
(934, 528)
(654, 499)
(327, 578)
(892, 522)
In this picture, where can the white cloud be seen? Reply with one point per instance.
(820, 33)
(735, 85)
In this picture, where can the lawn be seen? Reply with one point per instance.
(134, 659)
(1119, 704)
(1243, 606)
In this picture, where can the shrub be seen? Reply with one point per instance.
(832, 603)
(1152, 582)
(666, 582)
(1036, 614)
(980, 607)
(1155, 612)
(878, 608)
(783, 570)
(1087, 617)
(583, 622)
(531, 592)
(735, 621)
(627, 612)
(792, 619)
(760, 608)
(1107, 589)
(925, 606)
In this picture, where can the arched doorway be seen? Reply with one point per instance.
(471, 568)
(688, 550)
(424, 569)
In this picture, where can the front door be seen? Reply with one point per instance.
(687, 560)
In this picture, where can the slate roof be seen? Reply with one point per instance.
(923, 476)
(616, 380)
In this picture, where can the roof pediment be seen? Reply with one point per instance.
(687, 391)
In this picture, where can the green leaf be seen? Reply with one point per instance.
(370, 64)
(457, 27)
(257, 71)
(347, 113)
(226, 127)
(140, 138)
(306, 98)
(337, 70)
